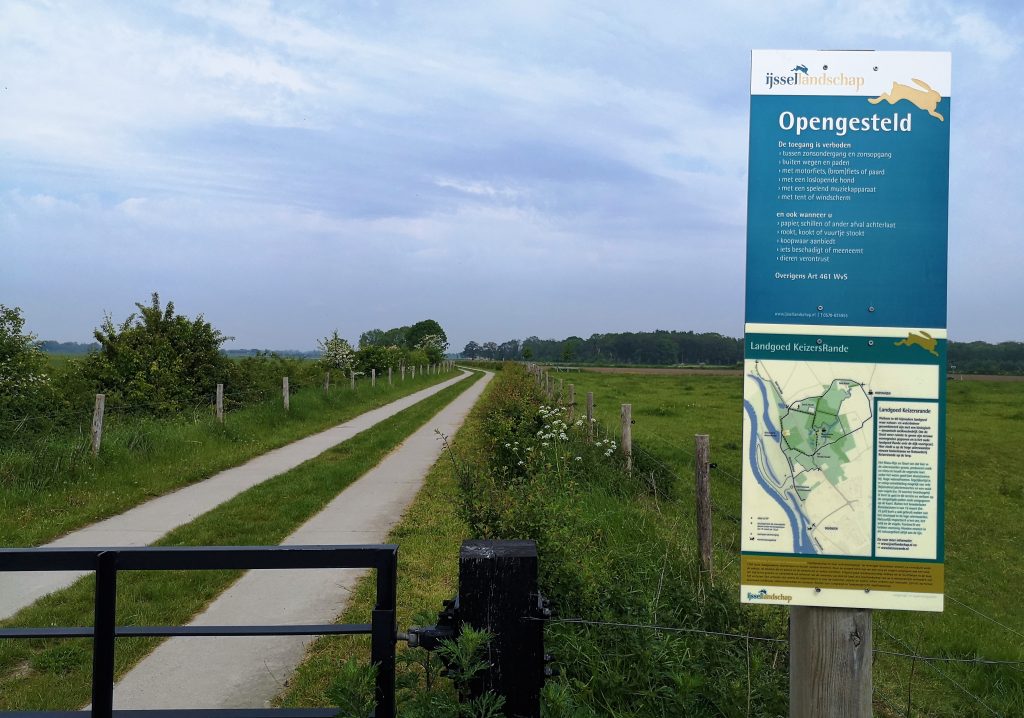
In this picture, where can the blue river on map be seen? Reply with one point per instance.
(802, 542)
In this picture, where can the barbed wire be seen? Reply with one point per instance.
(770, 639)
(945, 675)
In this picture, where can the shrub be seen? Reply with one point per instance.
(24, 386)
(157, 359)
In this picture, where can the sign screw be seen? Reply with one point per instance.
(871, 342)
(821, 308)
(871, 309)
(819, 341)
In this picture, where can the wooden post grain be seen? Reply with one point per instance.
(702, 454)
(403, 372)
(590, 417)
(830, 652)
(352, 378)
(220, 403)
(373, 377)
(389, 376)
(327, 381)
(560, 394)
(97, 423)
(284, 392)
(572, 402)
(627, 435)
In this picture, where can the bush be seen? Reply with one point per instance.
(157, 359)
(379, 358)
(24, 386)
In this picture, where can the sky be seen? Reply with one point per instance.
(508, 169)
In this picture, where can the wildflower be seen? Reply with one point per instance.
(578, 458)
(544, 444)
(508, 446)
(520, 464)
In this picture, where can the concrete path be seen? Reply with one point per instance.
(148, 522)
(247, 672)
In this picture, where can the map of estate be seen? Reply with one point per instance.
(809, 444)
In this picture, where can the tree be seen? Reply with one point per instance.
(24, 386)
(414, 336)
(157, 359)
(471, 350)
(336, 352)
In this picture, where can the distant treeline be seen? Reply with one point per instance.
(985, 358)
(657, 347)
(663, 347)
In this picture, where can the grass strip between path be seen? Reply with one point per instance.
(429, 536)
(60, 488)
(56, 674)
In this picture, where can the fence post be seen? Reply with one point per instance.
(373, 377)
(590, 417)
(413, 369)
(284, 392)
(97, 423)
(627, 434)
(830, 652)
(498, 593)
(560, 394)
(701, 465)
(352, 378)
(403, 372)
(572, 402)
(327, 381)
(220, 403)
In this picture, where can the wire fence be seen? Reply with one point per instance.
(653, 450)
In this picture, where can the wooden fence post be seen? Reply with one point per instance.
(560, 394)
(701, 466)
(389, 376)
(220, 403)
(403, 372)
(373, 377)
(352, 378)
(498, 593)
(830, 653)
(284, 392)
(572, 402)
(627, 435)
(413, 369)
(590, 417)
(327, 382)
(97, 423)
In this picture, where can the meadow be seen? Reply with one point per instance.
(643, 632)
(983, 532)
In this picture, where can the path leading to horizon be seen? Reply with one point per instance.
(149, 521)
(247, 672)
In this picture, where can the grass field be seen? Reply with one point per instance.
(623, 674)
(51, 484)
(55, 674)
(984, 502)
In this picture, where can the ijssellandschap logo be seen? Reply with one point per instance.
(801, 75)
(763, 595)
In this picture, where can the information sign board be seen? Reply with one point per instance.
(845, 335)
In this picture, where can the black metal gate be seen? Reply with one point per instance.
(106, 562)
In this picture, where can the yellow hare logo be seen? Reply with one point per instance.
(920, 339)
(923, 97)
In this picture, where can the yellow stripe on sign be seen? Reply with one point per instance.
(841, 573)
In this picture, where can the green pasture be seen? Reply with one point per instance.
(983, 531)
(55, 674)
(51, 484)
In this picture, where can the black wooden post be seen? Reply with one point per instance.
(498, 593)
